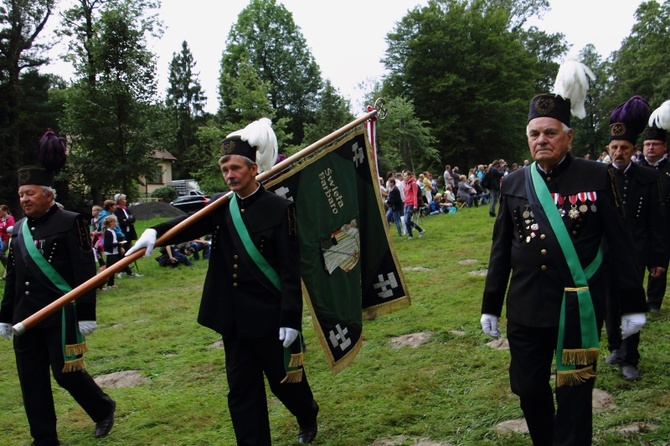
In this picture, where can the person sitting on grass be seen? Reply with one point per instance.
(174, 255)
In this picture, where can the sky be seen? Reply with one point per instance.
(347, 37)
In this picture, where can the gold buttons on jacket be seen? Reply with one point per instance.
(543, 252)
(543, 267)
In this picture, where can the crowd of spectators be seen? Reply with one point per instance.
(113, 233)
(452, 192)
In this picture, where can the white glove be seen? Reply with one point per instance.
(147, 240)
(287, 335)
(490, 325)
(6, 330)
(632, 323)
(9, 229)
(87, 327)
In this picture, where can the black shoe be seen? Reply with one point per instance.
(614, 358)
(492, 214)
(103, 427)
(630, 373)
(653, 308)
(307, 433)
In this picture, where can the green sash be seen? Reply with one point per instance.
(73, 342)
(577, 311)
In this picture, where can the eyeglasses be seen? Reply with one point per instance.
(652, 144)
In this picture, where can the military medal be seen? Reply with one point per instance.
(559, 200)
(574, 212)
(582, 198)
(592, 196)
(526, 213)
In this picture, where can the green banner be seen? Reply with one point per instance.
(348, 267)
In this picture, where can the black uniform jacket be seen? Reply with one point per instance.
(523, 249)
(236, 299)
(640, 192)
(126, 223)
(63, 239)
(663, 169)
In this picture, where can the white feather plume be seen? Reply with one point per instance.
(572, 82)
(259, 134)
(660, 118)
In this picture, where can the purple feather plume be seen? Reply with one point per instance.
(634, 112)
(51, 152)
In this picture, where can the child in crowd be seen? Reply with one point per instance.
(113, 247)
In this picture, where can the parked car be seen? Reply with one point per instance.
(190, 203)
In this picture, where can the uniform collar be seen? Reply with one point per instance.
(46, 216)
(558, 169)
(249, 199)
(659, 163)
(628, 168)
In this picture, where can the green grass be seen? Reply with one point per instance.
(452, 389)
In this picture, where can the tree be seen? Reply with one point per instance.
(79, 25)
(640, 66)
(405, 141)
(113, 120)
(468, 75)
(332, 114)
(266, 36)
(186, 100)
(249, 102)
(21, 22)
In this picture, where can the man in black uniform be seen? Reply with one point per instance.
(655, 156)
(252, 294)
(50, 253)
(547, 236)
(639, 189)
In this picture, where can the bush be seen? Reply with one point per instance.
(165, 193)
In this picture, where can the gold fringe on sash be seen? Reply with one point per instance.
(296, 362)
(75, 349)
(580, 356)
(74, 365)
(574, 377)
(293, 376)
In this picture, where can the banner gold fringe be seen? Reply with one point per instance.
(75, 349)
(294, 376)
(74, 366)
(580, 356)
(574, 377)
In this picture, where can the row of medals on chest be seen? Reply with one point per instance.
(580, 204)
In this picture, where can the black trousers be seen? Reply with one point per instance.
(37, 350)
(246, 362)
(570, 422)
(628, 348)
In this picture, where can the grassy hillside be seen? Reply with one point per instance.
(451, 389)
